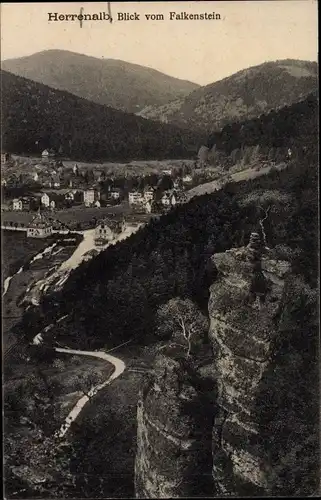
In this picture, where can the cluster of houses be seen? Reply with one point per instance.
(142, 200)
(106, 229)
(61, 199)
(148, 202)
(49, 200)
(61, 187)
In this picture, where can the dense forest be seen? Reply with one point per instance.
(291, 127)
(35, 117)
(243, 95)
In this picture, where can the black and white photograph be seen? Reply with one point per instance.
(160, 249)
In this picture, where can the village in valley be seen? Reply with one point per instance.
(159, 220)
(44, 194)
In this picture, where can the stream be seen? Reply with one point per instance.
(40, 255)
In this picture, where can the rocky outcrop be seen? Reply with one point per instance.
(244, 307)
(263, 418)
(174, 421)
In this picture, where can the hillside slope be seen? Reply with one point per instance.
(35, 116)
(246, 94)
(119, 84)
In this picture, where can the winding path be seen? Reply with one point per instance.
(119, 366)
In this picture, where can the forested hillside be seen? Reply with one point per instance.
(119, 84)
(35, 116)
(291, 127)
(246, 94)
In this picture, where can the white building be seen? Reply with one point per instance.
(136, 198)
(48, 154)
(90, 196)
(167, 171)
(5, 157)
(45, 200)
(39, 227)
(35, 176)
(17, 204)
(107, 230)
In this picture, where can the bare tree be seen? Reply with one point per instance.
(182, 322)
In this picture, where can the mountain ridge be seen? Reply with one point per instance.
(245, 94)
(37, 116)
(111, 82)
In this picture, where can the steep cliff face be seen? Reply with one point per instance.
(262, 423)
(174, 421)
(246, 306)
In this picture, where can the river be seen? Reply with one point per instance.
(39, 255)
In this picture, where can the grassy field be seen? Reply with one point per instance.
(249, 173)
(134, 168)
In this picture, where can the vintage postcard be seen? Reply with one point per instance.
(159, 220)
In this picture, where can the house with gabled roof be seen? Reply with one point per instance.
(91, 196)
(48, 154)
(107, 230)
(40, 227)
(169, 199)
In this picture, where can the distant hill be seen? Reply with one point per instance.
(119, 84)
(246, 94)
(35, 117)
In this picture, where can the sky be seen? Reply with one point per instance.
(203, 51)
